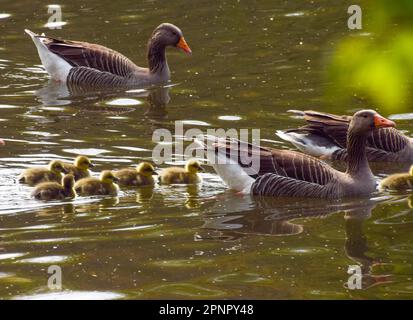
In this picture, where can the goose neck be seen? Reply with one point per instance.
(156, 56)
(357, 163)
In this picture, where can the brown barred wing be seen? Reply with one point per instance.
(327, 125)
(373, 155)
(298, 166)
(93, 78)
(83, 54)
(274, 185)
(388, 139)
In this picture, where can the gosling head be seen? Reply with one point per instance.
(57, 166)
(367, 120)
(107, 177)
(146, 169)
(83, 163)
(68, 181)
(193, 166)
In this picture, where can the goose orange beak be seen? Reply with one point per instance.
(381, 122)
(184, 46)
(2, 143)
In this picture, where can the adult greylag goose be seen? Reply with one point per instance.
(326, 135)
(274, 172)
(82, 63)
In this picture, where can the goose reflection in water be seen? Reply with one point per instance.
(61, 94)
(236, 217)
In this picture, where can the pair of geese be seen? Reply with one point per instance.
(364, 137)
(50, 184)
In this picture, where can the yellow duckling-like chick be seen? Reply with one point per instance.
(177, 175)
(104, 185)
(54, 191)
(398, 181)
(80, 167)
(34, 176)
(142, 175)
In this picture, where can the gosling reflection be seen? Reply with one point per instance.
(192, 197)
(144, 195)
(65, 211)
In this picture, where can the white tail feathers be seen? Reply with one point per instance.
(229, 170)
(57, 67)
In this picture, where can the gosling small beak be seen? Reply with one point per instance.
(154, 173)
(91, 165)
(200, 168)
(115, 179)
(184, 46)
(65, 171)
(381, 122)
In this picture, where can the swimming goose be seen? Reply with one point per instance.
(398, 181)
(104, 185)
(55, 191)
(80, 167)
(83, 63)
(326, 135)
(274, 172)
(53, 172)
(142, 175)
(178, 175)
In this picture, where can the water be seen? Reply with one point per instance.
(251, 63)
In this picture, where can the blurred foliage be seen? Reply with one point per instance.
(377, 62)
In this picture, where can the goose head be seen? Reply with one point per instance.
(365, 121)
(83, 163)
(193, 166)
(168, 34)
(56, 166)
(68, 181)
(146, 169)
(108, 177)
